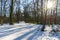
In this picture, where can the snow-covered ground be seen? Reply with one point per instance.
(27, 31)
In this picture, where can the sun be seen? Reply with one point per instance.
(49, 4)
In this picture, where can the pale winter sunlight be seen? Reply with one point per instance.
(51, 4)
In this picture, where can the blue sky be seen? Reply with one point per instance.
(22, 3)
(8, 2)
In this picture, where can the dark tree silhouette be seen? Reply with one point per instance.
(11, 13)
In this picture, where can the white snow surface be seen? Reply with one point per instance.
(27, 31)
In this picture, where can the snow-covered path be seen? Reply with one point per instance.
(23, 32)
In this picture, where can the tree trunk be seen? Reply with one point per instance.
(11, 13)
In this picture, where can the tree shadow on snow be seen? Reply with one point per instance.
(35, 31)
(36, 34)
(6, 33)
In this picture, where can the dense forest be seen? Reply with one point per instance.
(35, 11)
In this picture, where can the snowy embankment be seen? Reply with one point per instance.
(26, 31)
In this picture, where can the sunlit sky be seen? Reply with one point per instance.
(48, 5)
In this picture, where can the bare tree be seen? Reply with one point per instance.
(56, 13)
(4, 8)
(1, 20)
(11, 12)
(18, 13)
(37, 13)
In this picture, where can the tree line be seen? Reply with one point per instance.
(32, 12)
